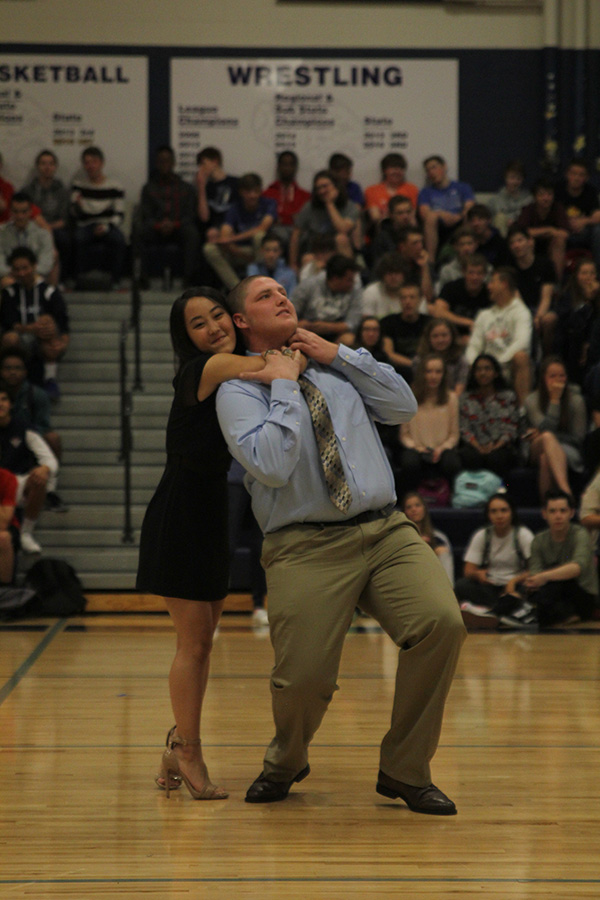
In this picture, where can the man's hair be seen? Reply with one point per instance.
(22, 253)
(165, 148)
(514, 165)
(236, 298)
(338, 161)
(271, 236)
(46, 153)
(405, 233)
(543, 184)
(461, 232)
(557, 494)
(579, 163)
(20, 197)
(392, 161)
(517, 229)
(16, 350)
(250, 182)
(435, 158)
(476, 259)
(479, 211)
(410, 285)
(508, 275)
(398, 200)
(291, 153)
(338, 265)
(92, 151)
(391, 262)
(210, 153)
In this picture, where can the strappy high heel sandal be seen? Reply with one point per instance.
(171, 769)
(174, 780)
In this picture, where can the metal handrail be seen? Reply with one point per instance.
(126, 399)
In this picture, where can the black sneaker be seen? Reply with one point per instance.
(54, 503)
(525, 616)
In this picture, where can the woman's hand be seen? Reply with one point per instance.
(277, 365)
(313, 346)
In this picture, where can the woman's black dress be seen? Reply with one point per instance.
(184, 549)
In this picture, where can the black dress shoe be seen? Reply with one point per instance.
(263, 790)
(420, 799)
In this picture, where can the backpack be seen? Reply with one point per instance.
(474, 488)
(16, 602)
(58, 588)
(435, 491)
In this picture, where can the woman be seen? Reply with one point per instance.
(327, 212)
(496, 562)
(489, 419)
(368, 336)
(431, 436)
(415, 509)
(557, 425)
(577, 313)
(440, 336)
(183, 545)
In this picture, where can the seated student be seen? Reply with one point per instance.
(461, 300)
(382, 297)
(430, 439)
(464, 246)
(443, 203)
(489, 419)
(51, 196)
(272, 263)
(288, 195)
(440, 336)
(536, 282)
(496, 563)
(321, 249)
(28, 456)
(341, 167)
(34, 315)
(390, 230)
(246, 222)
(9, 527)
(490, 243)
(217, 191)
(22, 231)
(401, 331)
(329, 211)
(547, 223)
(504, 331)
(589, 509)
(556, 426)
(6, 192)
(579, 199)
(98, 209)
(167, 213)
(563, 579)
(330, 303)
(416, 510)
(393, 182)
(506, 205)
(368, 336)
(577, 314)
(417, 260)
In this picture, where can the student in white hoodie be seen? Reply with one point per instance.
(504, 331)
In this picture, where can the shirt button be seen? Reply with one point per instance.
(364, 494)
(294, 392)
(343, 438)
(352, 467)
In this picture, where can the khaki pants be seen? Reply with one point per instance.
(316, 576)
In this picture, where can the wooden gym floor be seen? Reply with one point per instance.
(83, 713)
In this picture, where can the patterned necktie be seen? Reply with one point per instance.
(337, 486)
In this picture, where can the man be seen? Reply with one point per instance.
(443, 204)
(33, 314)
(417, 260)
(332, 541)
(382, 297)
(402, 331)
(246, 223)
(24, 453)
(490, 243)
(536, 283)
(330, 304)
(504, 331)
(563, 579)
(6, 193)
(21, 231)
(341, 167)
(98, 209)
(580, 201)
(272, 263)
(393, 182)
(465, 246)
(288, 195)
(216, 191)
(547, 223)
(401, 216)
(462, 299)
(51, 196)
(9, 527)
(167, 213)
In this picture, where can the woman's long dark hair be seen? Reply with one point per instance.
(499, 381)
(563, 419)
(341, 198)
(183, 346)
(506, 498)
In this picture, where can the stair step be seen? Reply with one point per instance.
(83, 517)
(102, 476)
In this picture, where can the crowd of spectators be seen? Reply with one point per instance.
(489, 309)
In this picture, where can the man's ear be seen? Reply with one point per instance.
(239, 320)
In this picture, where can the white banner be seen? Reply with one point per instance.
(67, 103)
(251, 109)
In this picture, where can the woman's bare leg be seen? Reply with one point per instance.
(552, 460)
